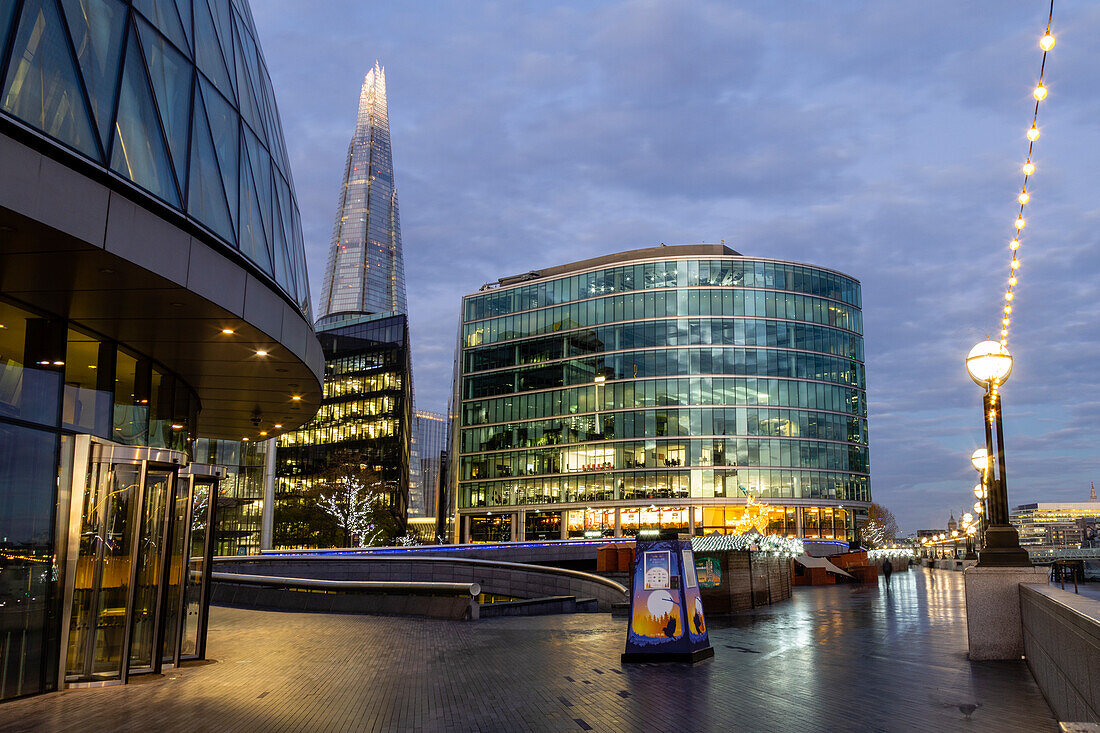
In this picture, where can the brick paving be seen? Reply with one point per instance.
(840, 658)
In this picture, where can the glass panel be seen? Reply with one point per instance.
(89, 366)
(32, 352)
(253, 242)
(131, 413)
(138, 151)
(42, 86)
(163, 16)
(150, 554)
(28, 494)
(206, 197)
(7, 12)
(171, 76)
(196, 567)
(96, 27)
(224, 132)
(103, 571)
(160, 410)
(220, 12)
(282, 273)
(208, 53)
(249, 107)
(261, 176)
(184, 8)
(177, 540)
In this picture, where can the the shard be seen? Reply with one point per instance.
(365, 272)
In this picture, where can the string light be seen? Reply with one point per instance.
(1046, 42)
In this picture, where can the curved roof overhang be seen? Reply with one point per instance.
(115, 262)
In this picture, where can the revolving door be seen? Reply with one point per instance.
(131, 525)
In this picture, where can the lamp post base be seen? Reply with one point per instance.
(1002, 549)
(993, 626)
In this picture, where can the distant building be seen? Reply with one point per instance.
(363, 425)
(682, 387)
(1057, 525)
(429, 437)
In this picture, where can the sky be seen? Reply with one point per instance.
(883, 140)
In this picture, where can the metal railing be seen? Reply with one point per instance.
(340, 586)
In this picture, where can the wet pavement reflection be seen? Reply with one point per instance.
(834, 658)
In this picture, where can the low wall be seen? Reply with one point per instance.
(1062, 646)
(392, 599)
(511, 579)
(574, 554)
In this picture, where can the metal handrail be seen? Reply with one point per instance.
(379, 586)
(526, 567)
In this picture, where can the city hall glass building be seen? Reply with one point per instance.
(661, 387)
(152, 293)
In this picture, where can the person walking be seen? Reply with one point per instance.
(887, 568)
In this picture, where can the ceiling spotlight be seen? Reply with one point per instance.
(177, 426)
(227, 331)
(261, 352)
(278, 426)
(296, 398)
(263, 432)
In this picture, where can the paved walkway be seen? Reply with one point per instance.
(841, 658)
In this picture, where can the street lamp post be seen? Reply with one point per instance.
(981, 461)
(989, 365)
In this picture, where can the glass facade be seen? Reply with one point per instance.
(429, 441)
(169, 105)
(170, 96)
(240, 495)
(662, 390)
(365, 272)
(58, 380)
(361, 429)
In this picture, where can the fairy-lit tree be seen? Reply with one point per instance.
(880, 529)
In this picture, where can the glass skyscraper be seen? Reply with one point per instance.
(365, 420)
(365, 272)
(680, 387)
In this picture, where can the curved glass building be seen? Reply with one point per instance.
(152, 292)
(662, 387)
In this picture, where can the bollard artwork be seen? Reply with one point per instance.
(666, 610)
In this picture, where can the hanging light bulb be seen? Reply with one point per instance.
(1028, 168)
(1040, 92)
(1006, 322)
(1014, 245)
(1009, 295)
(1008, 309)
(1046, 42)
(1033, 133)
(1020, 223)
(1015, 264)
(1012, 281)
(1024, 197)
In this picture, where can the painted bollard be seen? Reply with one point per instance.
(666, 610)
